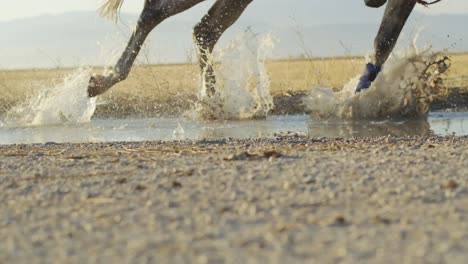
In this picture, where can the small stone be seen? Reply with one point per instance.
(309, 180)
(340, 220)
(176, 185)
(140, 187)
(389, 140)
(450, 185)
(289, 185)
(382, 220)
(272, 154)
(121, 181)
(12, 185)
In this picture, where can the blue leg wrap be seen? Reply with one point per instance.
(369, 75)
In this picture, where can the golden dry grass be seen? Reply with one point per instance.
(164, 82)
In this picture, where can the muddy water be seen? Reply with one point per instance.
(111, 130)
(407, 87)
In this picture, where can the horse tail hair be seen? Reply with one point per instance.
(110, 9)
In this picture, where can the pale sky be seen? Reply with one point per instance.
(13, 9)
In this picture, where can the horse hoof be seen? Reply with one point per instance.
(370, 74)
(99, 84)
(375, 3)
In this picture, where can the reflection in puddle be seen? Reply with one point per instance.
(419, 127)
(110, 130)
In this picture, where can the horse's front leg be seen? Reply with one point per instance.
(153, 14)
(99, 84)
(207, 33)
(395, 17)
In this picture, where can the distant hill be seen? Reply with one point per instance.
(83, 38)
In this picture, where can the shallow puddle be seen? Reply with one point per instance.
(109, 130)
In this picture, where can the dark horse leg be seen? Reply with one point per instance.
(207, 33)
(154, 12)
(395, 17)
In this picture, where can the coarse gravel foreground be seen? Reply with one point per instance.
(290, 199)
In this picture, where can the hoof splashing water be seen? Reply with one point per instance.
(65, 103)
(406, 87)
(242, 82)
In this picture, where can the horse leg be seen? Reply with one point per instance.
(394, 19)
(153, 14)
(207, 33)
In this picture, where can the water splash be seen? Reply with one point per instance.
(178, 133)
(407, 86)
(67, 102)
(243, 85)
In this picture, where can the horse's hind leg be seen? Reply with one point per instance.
(154, 12)
(207, 33)
(395, 17)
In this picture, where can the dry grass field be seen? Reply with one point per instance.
(153, 88)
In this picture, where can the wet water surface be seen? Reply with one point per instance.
(108, 130)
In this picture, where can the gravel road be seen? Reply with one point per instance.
(290, 199)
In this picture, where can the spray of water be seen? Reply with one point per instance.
(67, 102)
(409, 83)
(243, 85)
